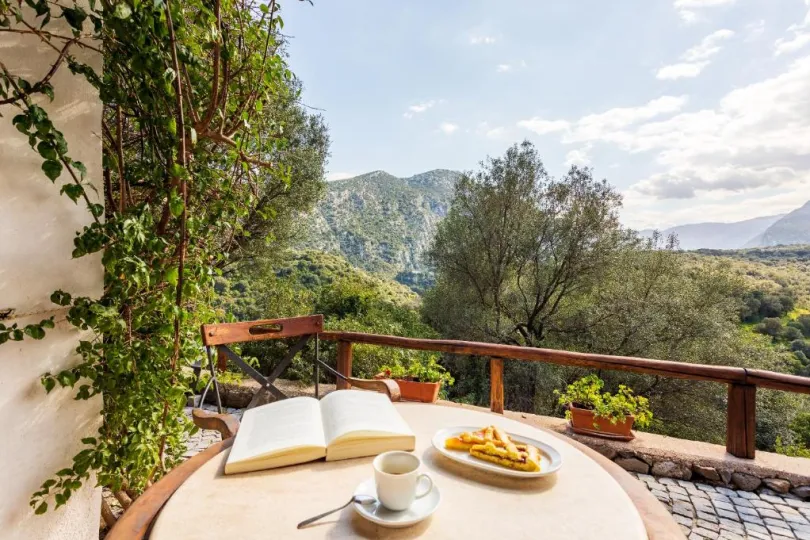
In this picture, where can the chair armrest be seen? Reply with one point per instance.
(226, 424)
(137, 520)
(384, 386)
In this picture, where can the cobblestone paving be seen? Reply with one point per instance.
(705, 511)
(206, 437)
(702, 511)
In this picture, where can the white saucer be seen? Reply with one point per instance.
(376, 513)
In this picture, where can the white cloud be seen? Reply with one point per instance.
(784, 46)
(680, 71)
(503, 68)
(694, 60)
(757, 137)
(482, 40)
(419, 108)
(799, 38)
(754, 30)
(484, 129)
(688, 16)
(702, 3)
(687, 8)
(601, 125)
(447, 128)
(339, 176)
(579, 157)
(542, 127)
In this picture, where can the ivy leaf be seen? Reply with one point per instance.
(47, 89)
(122, 11)
(35, 331)
(73, 191)
(41, 509)
(22, 122)
(61, 298)
(49, 384)
(172, 276)
(176, 206)
(75, 17)
(52, 169)
(79, 166)
(47, 150)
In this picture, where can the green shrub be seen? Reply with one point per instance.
(586, 393)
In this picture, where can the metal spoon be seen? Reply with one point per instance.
(359, 499)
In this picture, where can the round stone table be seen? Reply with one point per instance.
(582, 501)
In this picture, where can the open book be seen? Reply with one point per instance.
(344, 424)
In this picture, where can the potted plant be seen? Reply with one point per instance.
(418, 381)
(592, 412)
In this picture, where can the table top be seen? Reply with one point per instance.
(581, 501)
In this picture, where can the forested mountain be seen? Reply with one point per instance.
(720, 235)
(794, 228)
(382, 223)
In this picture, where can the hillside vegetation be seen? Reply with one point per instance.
(382, 223)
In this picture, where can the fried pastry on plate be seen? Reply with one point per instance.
(465, 441)
(527, 460)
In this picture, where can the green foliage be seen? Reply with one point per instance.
(430, 371)
(350, 299)
(516, 244)
(507, 273)
(33, 330)
(383, 224)
(793, 450)
(586, 393)
(194, 171)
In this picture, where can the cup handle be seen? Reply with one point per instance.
(429, 487)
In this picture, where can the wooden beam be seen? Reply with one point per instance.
(496, 385)
(344, 363)
(741, 420)
(665, 368)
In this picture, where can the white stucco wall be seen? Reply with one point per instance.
(40, 433)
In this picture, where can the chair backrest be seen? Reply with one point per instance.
(224, 333)
(239, 332)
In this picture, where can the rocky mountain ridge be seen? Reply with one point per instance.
(383, 223)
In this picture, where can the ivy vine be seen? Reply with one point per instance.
(185, 149)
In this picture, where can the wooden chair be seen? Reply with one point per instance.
(136, 521)
(217, 337)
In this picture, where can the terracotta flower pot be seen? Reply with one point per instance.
(426, 392)
(583, 421)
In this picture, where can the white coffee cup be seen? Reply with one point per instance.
(397, 476)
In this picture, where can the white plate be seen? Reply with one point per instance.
(376, 513)
(550, 458)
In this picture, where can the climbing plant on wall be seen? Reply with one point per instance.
(187, 153)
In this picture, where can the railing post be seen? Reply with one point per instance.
(344, 363)
(741, 420)
(496, 385)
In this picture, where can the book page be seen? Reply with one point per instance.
(368, 414)
(278, 427)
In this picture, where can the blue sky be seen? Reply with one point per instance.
(696, 110)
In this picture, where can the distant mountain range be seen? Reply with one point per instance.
(767, 231)
(384, 224)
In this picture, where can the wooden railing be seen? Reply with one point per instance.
(742, 383)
